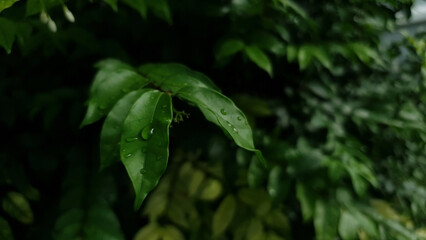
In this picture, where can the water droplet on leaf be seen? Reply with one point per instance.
(147, 132)
(131, 139)
(239, 118)
(235, 130)
(223, 111)
(129, 155)
(142, 171)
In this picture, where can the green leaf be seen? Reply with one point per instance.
(5, 230)
(256, 174)
(255, 230)
(304, 56)
(268, 42)
(229, 47)
(223, 216)
(145, 140)
(6, 4)
(161, 9)
(291, 53)
(326, 220)
(138, 5)
(17, 206)
(173, 77)
(113, 80)
(99, 222)
(7, 34)
(348, 226)
(307, 201)
(112, 4)
(170, 232)
(112, 128)
(150, 231)
(36, 6)
(278, 185)
(222, 111)
(259, 58)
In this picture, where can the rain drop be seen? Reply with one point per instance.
(223, 111)
(142, 171)
(131, 139)
(164, 106)
(239, 118)
(129, 155)
(147, 132)
(235, 130)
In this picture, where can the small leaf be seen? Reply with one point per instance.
(151, 231)
(257, 174)
(6, 4)
(99, 222)
(170, 232)
(307, 201)
(161, 9)
(348, 226)
(222, 111)
(173, 77)
(229, 47)
(17, 206)
(112, 4)
(5, 230)
(113, 81)
(278, 186)
(255, 230)
(112, 128)
(210, 189)
(223, 215)
(138, 5)
(7, 34)
(259, 58)
(292, 52)
(268, 42)
(304, 56)
(326, 220)
(146, 158)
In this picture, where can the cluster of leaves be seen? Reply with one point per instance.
(339, 119)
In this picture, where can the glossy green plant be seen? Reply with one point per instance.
(138, 109)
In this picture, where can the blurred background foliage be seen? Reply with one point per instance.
(339, 115)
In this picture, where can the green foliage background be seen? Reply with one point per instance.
(339, 117)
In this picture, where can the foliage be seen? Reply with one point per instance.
(337, 115)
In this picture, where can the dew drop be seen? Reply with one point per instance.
(223, 111)
(131, 139)
(164, 106)
(142, 171)
(239, 118)
(123, 150)
(235, 130)
(147, 132)
(129, 155)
